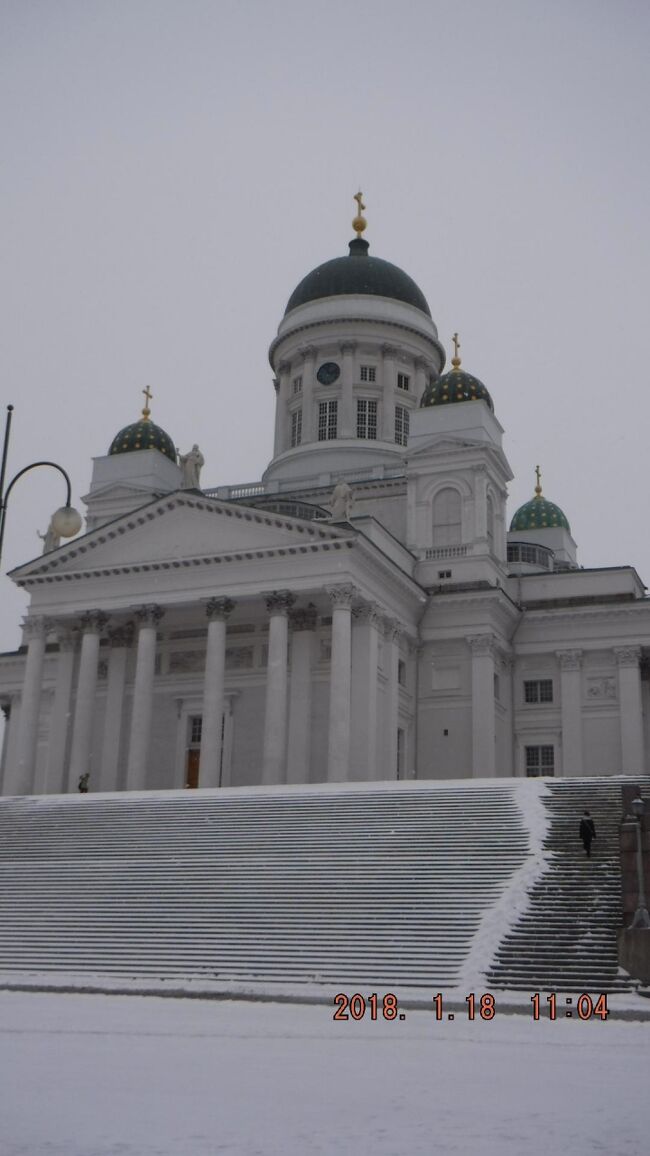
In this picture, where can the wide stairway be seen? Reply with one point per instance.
(364, 884)
(369, 884)
(567, 937)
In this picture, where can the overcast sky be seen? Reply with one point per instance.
(172, 169)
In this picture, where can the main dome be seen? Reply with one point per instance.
(358, 274)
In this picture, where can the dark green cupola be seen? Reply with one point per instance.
(455, 386)
(143, 435)
(539, 513)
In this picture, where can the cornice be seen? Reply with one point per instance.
(358, 319)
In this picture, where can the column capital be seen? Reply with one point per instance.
(420, 363)
(481, 643)
(121, 636)
(67, 637)
(389, 350)
(304, 619)
(348, 347)
(149, 614)
(368, 613)
(341, 596)
(93, 621)
(307, 351)
(569, 659)
(219, 609)
(279, 602)
(35, 626)
(627, 655)
(393, 630)
(284, 367)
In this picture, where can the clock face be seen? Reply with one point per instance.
(328, 373)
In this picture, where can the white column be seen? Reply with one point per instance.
(5, 707)
(121, 638)
(21, 776)
(392, 634)
(281, 409)
(309, 433)
(420, 378)
(303, 626)
(480, 505)
(218, 611)
(55, 775)
(338, 750)
(92, 624)
(389, 382)
(278, 605)
(483, 721)
(148, 618)
(365, 690)
(629, 693)
(571, 701)
(348, 422)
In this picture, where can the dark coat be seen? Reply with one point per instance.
(587, 830)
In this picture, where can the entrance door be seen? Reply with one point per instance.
(192, 768)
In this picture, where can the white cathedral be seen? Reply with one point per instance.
(361, 613)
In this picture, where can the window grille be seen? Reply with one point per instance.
(196, 727)
(538, 690)
(297, 384)
(368, 373)
(327, 420)
(401, 425)
(367, 419)
(403, 381)
(540, 761)
(296, 428)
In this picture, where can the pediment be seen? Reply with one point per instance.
(444, 444)
(183, 525)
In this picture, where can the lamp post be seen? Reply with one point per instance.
(641, 916)
(65, 522)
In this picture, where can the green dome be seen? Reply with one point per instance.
(457, 385)
(539, 514)
(143, 435)
(358, 274)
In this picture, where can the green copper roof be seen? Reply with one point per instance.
(455, 386)
(539, 514)
(143, 435)
(358, 274)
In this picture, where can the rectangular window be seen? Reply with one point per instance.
(401, 425)
(401, 672)
(368, 373)
(540, 761)
(327, 414)
(538, 690)
(367, 419)
(196, 726)
(401, 753)
(403, 381)
(297, 384)
(296, 428)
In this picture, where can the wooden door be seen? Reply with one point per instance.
(192, 767)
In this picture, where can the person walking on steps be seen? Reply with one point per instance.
(587, 832)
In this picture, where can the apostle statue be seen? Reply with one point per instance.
(342, 501)
(50, 539)
(191, 465)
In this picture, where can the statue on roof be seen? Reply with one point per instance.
(342, 501)
(191, 464)
(50, 539)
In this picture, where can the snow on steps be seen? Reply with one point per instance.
(358, 884)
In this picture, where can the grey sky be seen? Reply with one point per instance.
(172, 168)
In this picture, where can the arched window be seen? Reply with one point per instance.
(446, 518)
(490, 524)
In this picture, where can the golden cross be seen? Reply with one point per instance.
(456, 344)
(358, 198)
(538, 475)
(147, 396)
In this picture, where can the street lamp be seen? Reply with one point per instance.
(65, 522)
(641, 916)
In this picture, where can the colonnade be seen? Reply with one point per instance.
(357, 745)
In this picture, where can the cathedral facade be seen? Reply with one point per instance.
(363, 612)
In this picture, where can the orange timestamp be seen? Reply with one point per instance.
(386, 1007)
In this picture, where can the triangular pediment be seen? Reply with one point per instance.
(184, 525)
(444, 444)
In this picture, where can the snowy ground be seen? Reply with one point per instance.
(93, 1075)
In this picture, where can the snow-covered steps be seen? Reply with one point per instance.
(377, 884)
(567, 936)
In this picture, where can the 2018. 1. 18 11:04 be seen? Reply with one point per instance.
(357, 1006)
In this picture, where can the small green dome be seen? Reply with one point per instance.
(539, 514)
(143, 435)
(457, 385)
